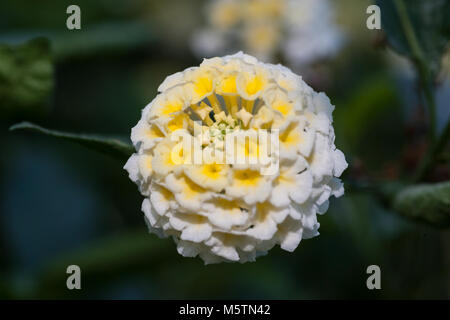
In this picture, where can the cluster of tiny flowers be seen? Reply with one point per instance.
(303, 30)
(222, 211)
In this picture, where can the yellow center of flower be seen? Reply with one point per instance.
(283, 107)
(154, 132)
(254, 85)
(171, 107)
(191, 189)
(291, 136)
(247, 177)
(203, 85)
(212, 171)
(228, 85)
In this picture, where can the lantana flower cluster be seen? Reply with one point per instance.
(223, 211)
(303, 31)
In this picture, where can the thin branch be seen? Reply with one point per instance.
(435, 144)
(421, 66)
(433, 154)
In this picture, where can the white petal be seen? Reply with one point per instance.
(291, 240)
(302, 191)
(159, 202)
(228, 253)
(340, 164)
(306, 146)
(337, 187)
(309, 221)
(263, 231)
(196, 233)
(170, 81)
(210, 258)
(321, 209)
(324, 194)
(153, 220)
(280, 215)
(177, 222)
(132, 166)
(280, 196)
(188, 249)
(322, 163)
(295, 212)
(321, 123)
(323, 104)
(311, 233)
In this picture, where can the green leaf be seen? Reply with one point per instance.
(101, 40)
(26, 76)
(425, 202)
(429, 28)
(108, 145)
(97, 40)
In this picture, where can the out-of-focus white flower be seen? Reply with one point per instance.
(302, 30)
(230, 211)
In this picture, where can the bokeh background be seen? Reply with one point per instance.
(62, 204)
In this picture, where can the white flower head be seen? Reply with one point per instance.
(225, 210)
(302, 30)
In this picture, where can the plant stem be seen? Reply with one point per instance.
(432, 154)
(421, 66)
(425, 78)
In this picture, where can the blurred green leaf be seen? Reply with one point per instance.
(429, 26)
(125, 253)
(108, 145)
(426, 202)
(372, 105)
(26, 76)
(101, 40)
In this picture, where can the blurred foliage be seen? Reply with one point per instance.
(372, 105)
(26, 77)
(429, 24)
(420, 31)
(105, 259)
(91, 42)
